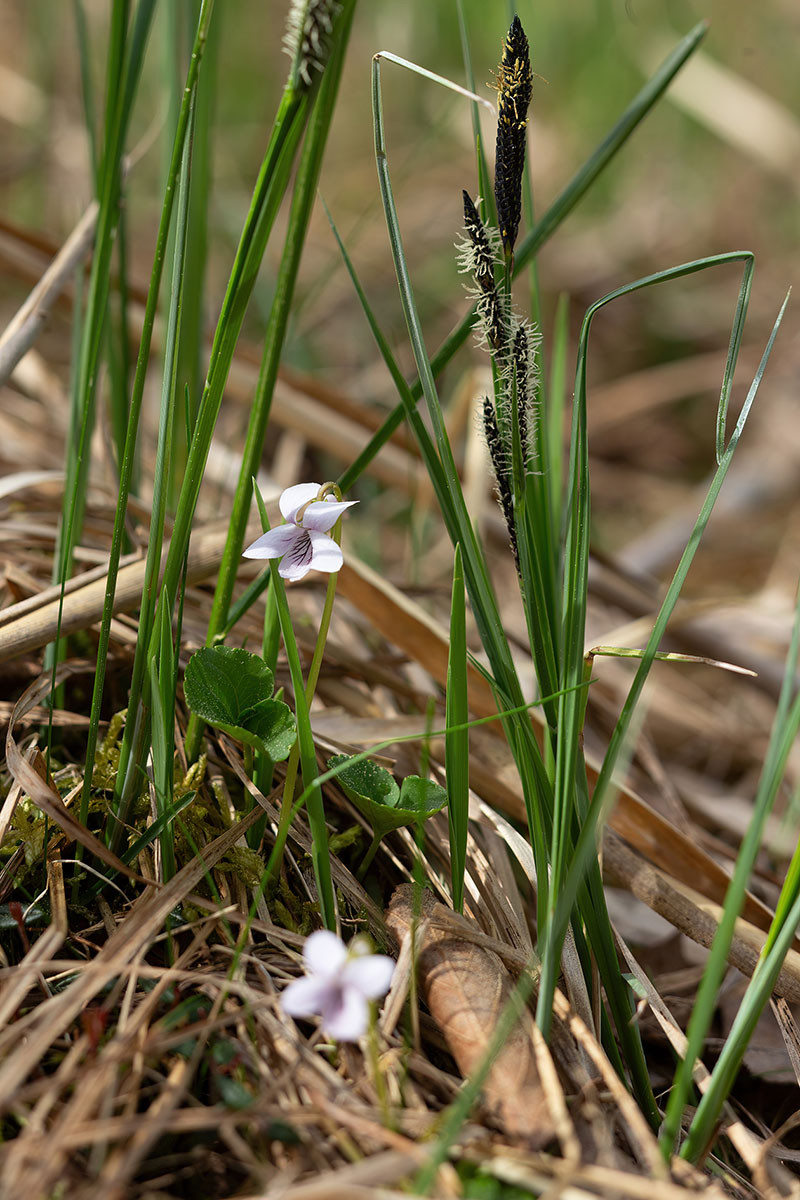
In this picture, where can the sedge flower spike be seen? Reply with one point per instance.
(338, 985)
(303, 542)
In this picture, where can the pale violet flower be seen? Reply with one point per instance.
(303, 542)
(338, 985)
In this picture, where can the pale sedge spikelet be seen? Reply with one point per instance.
(308, 29)
(526, 378)
(514, 90)
(478, 254)
(519, 371)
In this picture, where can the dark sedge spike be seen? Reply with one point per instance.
(514, 90)
(498, 457)
(522, 375)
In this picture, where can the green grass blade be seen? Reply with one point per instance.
(547, 224)
(270, 186)
(456, 742)
(485, 189)
(556, 400)
(163, 683)
(584, 849)
(737, 331)
(193, 321)
(784, 731)
(123, 74)
(128, 459)
(446, 480)
(87, 86)
(739, 1036)
(302, 203)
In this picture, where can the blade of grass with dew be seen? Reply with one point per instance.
(127, 466)
(305, 191)
(270, 186)
(484, 605)
(456, 740)
(784, 731)
(584, 849)
(546, 226)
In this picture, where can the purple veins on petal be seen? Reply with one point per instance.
(326, 555)
(296, 561)
(274, 543)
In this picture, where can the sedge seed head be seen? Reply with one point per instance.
(514, 90)
(308, 29)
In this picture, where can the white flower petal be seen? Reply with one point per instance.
(324, 954)
(348, 1019)
(325, 554)
(295, 497)
(324, 514)
(274, 543)
(297, 560)
(309, 996)
(371, 974)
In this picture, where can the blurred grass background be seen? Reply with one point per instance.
(715, 167)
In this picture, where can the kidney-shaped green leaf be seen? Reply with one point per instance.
(377, 797)
(231, 689)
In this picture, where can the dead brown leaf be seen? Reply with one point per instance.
(466, 989)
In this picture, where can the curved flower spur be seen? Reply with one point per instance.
(309, 510)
